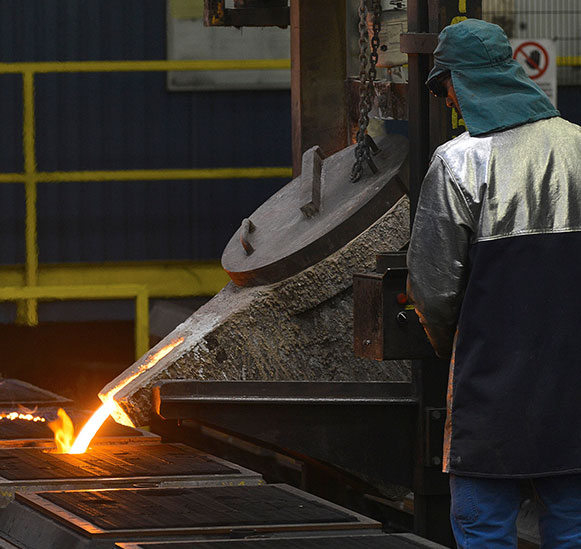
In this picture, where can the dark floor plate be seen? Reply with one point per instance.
(109, 461)
(14, 392)
(201, 507)
(346, 542)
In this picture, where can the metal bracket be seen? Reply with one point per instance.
(385, 326)
(310, 191)
(435, 422)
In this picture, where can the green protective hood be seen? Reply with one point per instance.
(493, 90)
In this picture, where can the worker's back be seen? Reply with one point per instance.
(517, 348)
(526, 180)
(495, 276)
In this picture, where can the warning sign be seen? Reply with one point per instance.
(539, 60)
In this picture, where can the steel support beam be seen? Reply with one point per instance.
(418, 102)
(318, 73)
(377, 448)
(430, 125)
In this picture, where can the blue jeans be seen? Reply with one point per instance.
(484, 511)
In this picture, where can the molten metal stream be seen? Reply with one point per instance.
(90, 428)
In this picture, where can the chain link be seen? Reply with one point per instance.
(366, 78)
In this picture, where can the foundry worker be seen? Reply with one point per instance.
(495, 274)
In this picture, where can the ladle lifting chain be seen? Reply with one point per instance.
(365, 145)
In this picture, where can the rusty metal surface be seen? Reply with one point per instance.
(285, 240)
(385, 325)
(368, 321)
(22, 433)
(14, 392)
(318, 72)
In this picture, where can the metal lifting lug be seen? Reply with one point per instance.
(246, 228)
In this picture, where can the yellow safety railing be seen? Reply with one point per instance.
(111, 291)
(29, 294)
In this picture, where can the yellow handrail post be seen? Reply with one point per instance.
(28, 311)
(141, 323)
(95, 291)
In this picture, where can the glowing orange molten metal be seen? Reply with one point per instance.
(64, 432)
(109, 406)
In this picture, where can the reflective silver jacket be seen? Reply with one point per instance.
(495, 274)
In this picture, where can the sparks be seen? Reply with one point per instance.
(26, 417)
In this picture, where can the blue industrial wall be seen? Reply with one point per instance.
(126, 121)
(116, 121)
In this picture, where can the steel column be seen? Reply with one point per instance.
(430, 125)
(318, 73)
(418, 102)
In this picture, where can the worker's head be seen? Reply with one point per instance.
(445, 87)
(475, 71)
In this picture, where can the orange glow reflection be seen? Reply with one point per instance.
(64, 432)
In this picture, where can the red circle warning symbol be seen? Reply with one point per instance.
(533, 57)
